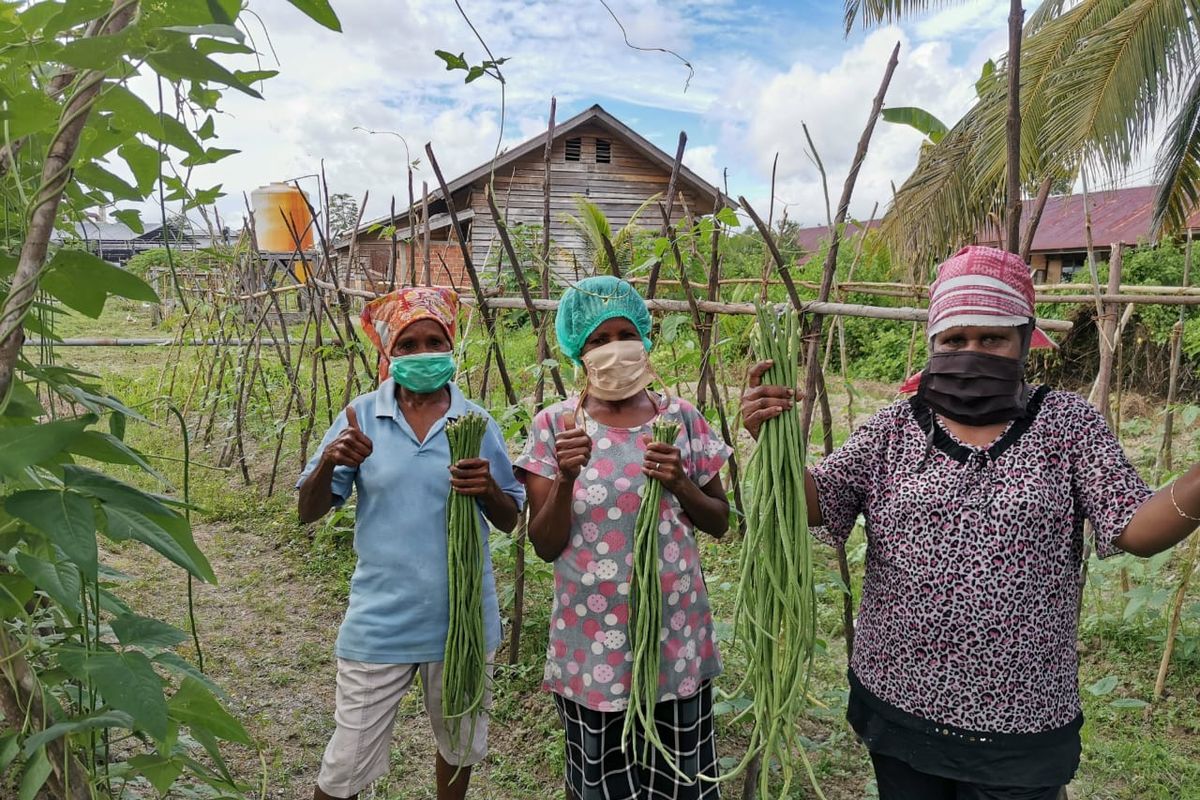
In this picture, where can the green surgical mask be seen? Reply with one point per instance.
(424, 372)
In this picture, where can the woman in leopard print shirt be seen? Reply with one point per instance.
(974, 493)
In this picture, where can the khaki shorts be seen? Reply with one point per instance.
(367, 698)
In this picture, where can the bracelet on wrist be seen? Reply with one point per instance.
(1178, 510)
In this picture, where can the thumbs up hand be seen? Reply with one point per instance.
(572, 449)
(351, 447)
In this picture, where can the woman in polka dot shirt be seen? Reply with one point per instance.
(585, 466)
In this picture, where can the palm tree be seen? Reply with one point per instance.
(1095, 78)
(601, 243)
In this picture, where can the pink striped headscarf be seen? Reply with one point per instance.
(981, 286)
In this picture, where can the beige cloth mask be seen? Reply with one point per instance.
(618, 370)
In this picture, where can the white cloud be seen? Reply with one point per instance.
(835, 104)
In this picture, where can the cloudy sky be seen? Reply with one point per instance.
(761, 68)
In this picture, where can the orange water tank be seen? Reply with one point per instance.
(272, 204)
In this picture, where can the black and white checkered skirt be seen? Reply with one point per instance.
(598, 770)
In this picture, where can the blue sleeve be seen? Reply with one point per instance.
(343, 477)
(496, 452)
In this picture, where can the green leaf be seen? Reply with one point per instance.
(76, 13)
(184, 62)
(453, 62)
(68, 519)
(144, 162)
(84, 282)
(1103, 686)
(116, 425)
(131, 217)
(9, 748)
(106, 719)
(208, 129)
(207, 99)
(22, 402)
(96, 52)
(15, 592)
(112, 492)
(214, 29)
(209, 46)
(37, 769)
(206, 197)
(145, 632)
(26, 445)
(127, 682)
(131, 113)
(27, 113)
(109, 449)
(59, 580)
(210, 156)
(1128, 702)
(173, 662)
(161, 772)
(98, 177)
(919, 119)
(728, 217)
(194, 706)
(474, 73)
(169, 536)
(255, 75)
(319, 11)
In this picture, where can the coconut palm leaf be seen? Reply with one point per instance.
(1178, 171)
(1086, 93)
(1106, 97)
(595, 227)
(885, 12)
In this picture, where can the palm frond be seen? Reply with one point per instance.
(1178, 169)
(885, 12)
(1075, 103)
(1107, 95)
(594, 227)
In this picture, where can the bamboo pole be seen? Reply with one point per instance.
(652, 282)
(481, 300)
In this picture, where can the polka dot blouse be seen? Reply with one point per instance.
(588, 657)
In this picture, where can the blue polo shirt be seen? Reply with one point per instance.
(399, 594)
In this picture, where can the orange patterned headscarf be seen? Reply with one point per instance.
(385, 318)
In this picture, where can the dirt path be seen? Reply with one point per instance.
(268, 633)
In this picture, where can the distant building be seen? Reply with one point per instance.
(1060, 242)
(593, 154)
(117, 242)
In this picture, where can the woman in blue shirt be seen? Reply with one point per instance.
(390, 445)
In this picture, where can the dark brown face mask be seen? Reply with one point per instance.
(974, 388)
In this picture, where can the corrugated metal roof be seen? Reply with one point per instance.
(1118, 215)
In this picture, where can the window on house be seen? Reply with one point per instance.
(603, 151)
(574, 149)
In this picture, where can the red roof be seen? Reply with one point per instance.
(1118, 215)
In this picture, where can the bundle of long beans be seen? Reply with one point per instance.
(646, 615)
(464, 670)
(775, 612)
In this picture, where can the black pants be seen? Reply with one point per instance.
(898, 781)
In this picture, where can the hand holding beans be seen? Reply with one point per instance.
(472, 477)
(761, 403)
(664, 463)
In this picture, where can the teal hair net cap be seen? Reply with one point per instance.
(593, 301)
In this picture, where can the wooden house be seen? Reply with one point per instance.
(593, 155)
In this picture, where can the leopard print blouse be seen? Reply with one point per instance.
(971, 593)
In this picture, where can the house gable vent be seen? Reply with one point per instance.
(603, 151)
(574, 149)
